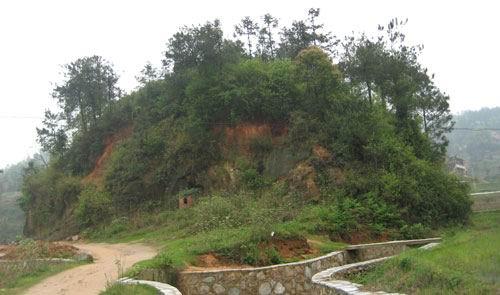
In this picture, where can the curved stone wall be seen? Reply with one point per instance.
(332, 281)
(289, 278)
(162, 288)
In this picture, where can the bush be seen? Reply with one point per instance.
(415, 231)
(252, 179)
(94, 206)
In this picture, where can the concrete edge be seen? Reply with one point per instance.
(351, 247)
(403, 242)
(331, 278)
(165, 289)
(268, 267)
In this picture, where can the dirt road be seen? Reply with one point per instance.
(92, 278)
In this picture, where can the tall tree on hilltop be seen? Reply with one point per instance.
(89, 88)
(361, 62)
(387, 70)
(247, 27)
(318, 79)
(202, 47)
(266, 39)
(304, 33)
(148, 73)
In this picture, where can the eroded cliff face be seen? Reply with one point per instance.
(263, 148)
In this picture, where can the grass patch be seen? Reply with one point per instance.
(232, 232)
(242, 228)
(138, 289)
(15, 278)
(467, 262)
(486, 186)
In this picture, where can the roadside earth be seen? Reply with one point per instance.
(109, 261)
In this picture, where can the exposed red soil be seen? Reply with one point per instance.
(40, 249)
(321, 152)
(242, 135)
(288, 249)
(97, 174)
(291, 248)
(215, 261)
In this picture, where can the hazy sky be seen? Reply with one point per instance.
(461, 40)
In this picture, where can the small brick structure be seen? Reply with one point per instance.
(185, 202)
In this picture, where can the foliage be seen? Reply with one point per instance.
(93, 206)
(47, 195)
(121, 289)
(11, 217)
(378, 117)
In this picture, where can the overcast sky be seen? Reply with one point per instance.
(461, 40)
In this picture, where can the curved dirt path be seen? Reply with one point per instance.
(92, 278)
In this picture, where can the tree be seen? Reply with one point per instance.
(303, 34)
(249, 28)
(362, 63)
(201, 47)
(387, 70)
(148, 73)
(318, 79)
(434, 110)
(52, 136)
(266, 39)
(317, 37)
(90, 87)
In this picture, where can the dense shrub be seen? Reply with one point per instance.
(94, 206)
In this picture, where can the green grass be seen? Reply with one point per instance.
(119, 289)
(486, 202)
(492, 186)
(14, 280)
(467, 262)
(231, 227)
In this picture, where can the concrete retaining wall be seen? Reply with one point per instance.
(290, 278)
(162, 288)
(332, 281)
(365, 252)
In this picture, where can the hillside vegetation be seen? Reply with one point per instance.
(270, 137)
(11, 216)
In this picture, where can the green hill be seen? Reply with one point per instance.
(263, 141)
(11, 217)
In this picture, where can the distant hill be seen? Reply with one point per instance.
(11, 217)
(481, 149)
